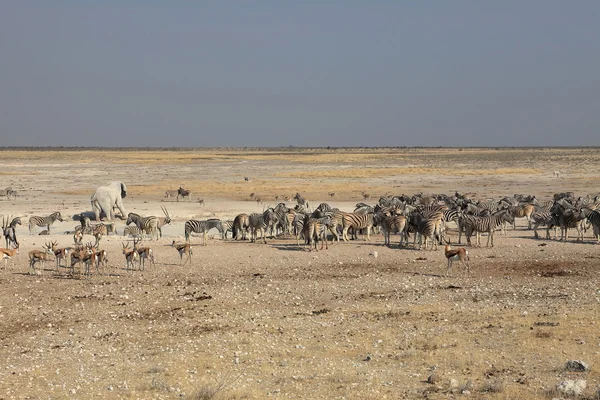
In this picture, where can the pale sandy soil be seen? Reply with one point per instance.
(273, 320)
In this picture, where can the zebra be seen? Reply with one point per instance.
(427, 228)
(227, 226)
(281, 218)
(485, 224)
(545, 218)
(171, 193)
(202, 227)
(356, 221)
(260, 222)
(569, 218)
(240, 227)
(317, 229)
(148, 225)
(522, 211)
(132, 231)
(183, 193)
(594, 217)
(10, 233)
(301, 200)
(43, 221)
(391, 224)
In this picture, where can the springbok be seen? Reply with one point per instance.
(460, 253)
(183, 248)
(42, 256)
(8, 254)
(131, 255)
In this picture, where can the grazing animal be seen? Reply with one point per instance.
(357, 221)
(8, 254)
(171, 193)
(260, 222)
(556, 174)
(203, 227)
(183, 248)
(60, 254)
(317, 230)
(106, 198)
(90, 259)
(10, 234)
(131, 255)
(77, 256)
(365, 195)
(132, 231)
(147, 225)
(183, 193)
(452, 255)
(240, 226)
(42, 256)
(144, 253)
(44, 221)
(485, 224)
(201, 202)
(78, 237)
(301, 200)
(331, 195)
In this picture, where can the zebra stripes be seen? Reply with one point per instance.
(356, 221)
(317, 230)
(594, 217)
(148, 225)
(392, 224)
(260, 222)
(240, 227)
(485, 224)
(43, 221)
(203, 227)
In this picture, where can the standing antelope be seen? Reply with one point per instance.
(39, 256)
(8, 254)
(183, 248)
(77, 256)
(43, 221)
(90, 259)
(162, 221)
(59, 254)
(131, 256)
(144, 253)
(452, 255)
(9, 230)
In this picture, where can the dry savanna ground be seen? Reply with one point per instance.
(359, 320)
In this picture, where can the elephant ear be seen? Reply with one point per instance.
(123, 191)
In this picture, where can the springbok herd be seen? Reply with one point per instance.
(426, 217)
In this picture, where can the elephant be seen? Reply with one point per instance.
(107, 197)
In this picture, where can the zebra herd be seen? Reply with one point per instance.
(426, 217)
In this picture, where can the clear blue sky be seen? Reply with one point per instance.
(302, 73)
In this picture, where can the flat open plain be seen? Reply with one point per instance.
(254, 320)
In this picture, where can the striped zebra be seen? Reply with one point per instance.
(392, 224)
(171, 193)
(227, 226)
(424, 228)
(281, 217)
(260, 222)
(240, 227)
(148, 225)
(570, 219)
(593, 216)
(522, 211)
(301, 200)
(43, 221)
(202, 227)
(317, 230)
(547, 219)
(356, 221)
(183, 193)
(485, 224)
(132, 231)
